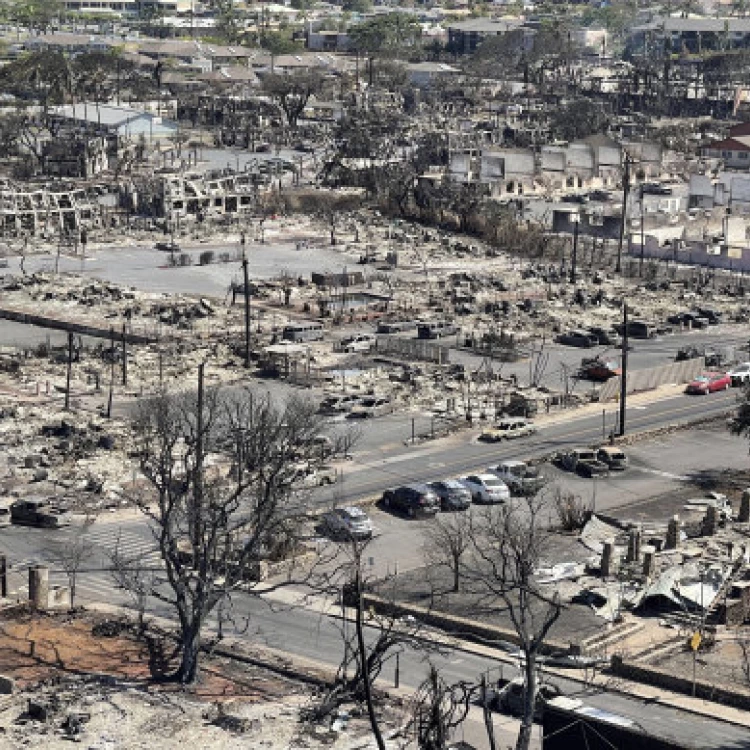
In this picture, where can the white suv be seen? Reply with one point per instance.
(486, 488)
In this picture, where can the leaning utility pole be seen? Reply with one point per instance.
(246, 289)
(625, 191)
(624, 368)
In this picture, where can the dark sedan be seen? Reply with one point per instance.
(453, 495)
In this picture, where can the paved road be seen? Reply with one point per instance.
(460, 454)
(304, 633)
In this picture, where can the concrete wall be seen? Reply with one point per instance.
(653, 377)
(737, 697)
(697, 254)
(471, 629)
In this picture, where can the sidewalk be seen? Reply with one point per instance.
(647, 693)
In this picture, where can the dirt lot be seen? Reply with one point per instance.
(78, 673)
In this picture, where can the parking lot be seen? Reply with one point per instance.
(682, 464)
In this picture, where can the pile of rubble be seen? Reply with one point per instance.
(81, 460)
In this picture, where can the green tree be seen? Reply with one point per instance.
(291, 91)
(357, 6)
(279, 43)
(38, 15)
(389, 35)
(229, 22)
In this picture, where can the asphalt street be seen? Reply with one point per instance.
(308, 634)
(397, 463)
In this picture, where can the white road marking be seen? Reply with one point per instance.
(665, 474)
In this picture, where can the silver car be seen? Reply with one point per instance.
(347, 523)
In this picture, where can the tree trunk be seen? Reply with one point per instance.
(527, 720)
(456, 571)
(187, 673)
(364, 668)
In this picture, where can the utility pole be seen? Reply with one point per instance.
(624, 375)
(69, 371)
(124, 357)
(576, 220)
(246, 290)
(111, 372)
(625, 191)
(643, 237)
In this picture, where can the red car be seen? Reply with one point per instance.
(709, 383)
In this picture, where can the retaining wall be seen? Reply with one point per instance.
(737, 697)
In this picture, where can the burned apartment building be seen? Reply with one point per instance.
(192, 196)
(47, 210)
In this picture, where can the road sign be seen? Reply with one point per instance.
(695, 641)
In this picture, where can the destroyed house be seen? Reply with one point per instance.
(347, 278)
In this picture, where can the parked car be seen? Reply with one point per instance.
(598, 369)
(740, 374)
(396, 326)
(600, 195)
(337, 404)
(508, 697)
(486, 488)
(714, 317)
(371, 406)
(347, 523)
(453, 494)
(521, 478)
(314, 476)
(583, 461)
(615, 459)
(709, 382)
(639, 329)
(691, 319)
(605, 336)
(168, 247)
(38, 512)
(413, 500)
(583, 339)
(507, 429)
(361, 342)
(436, 330)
